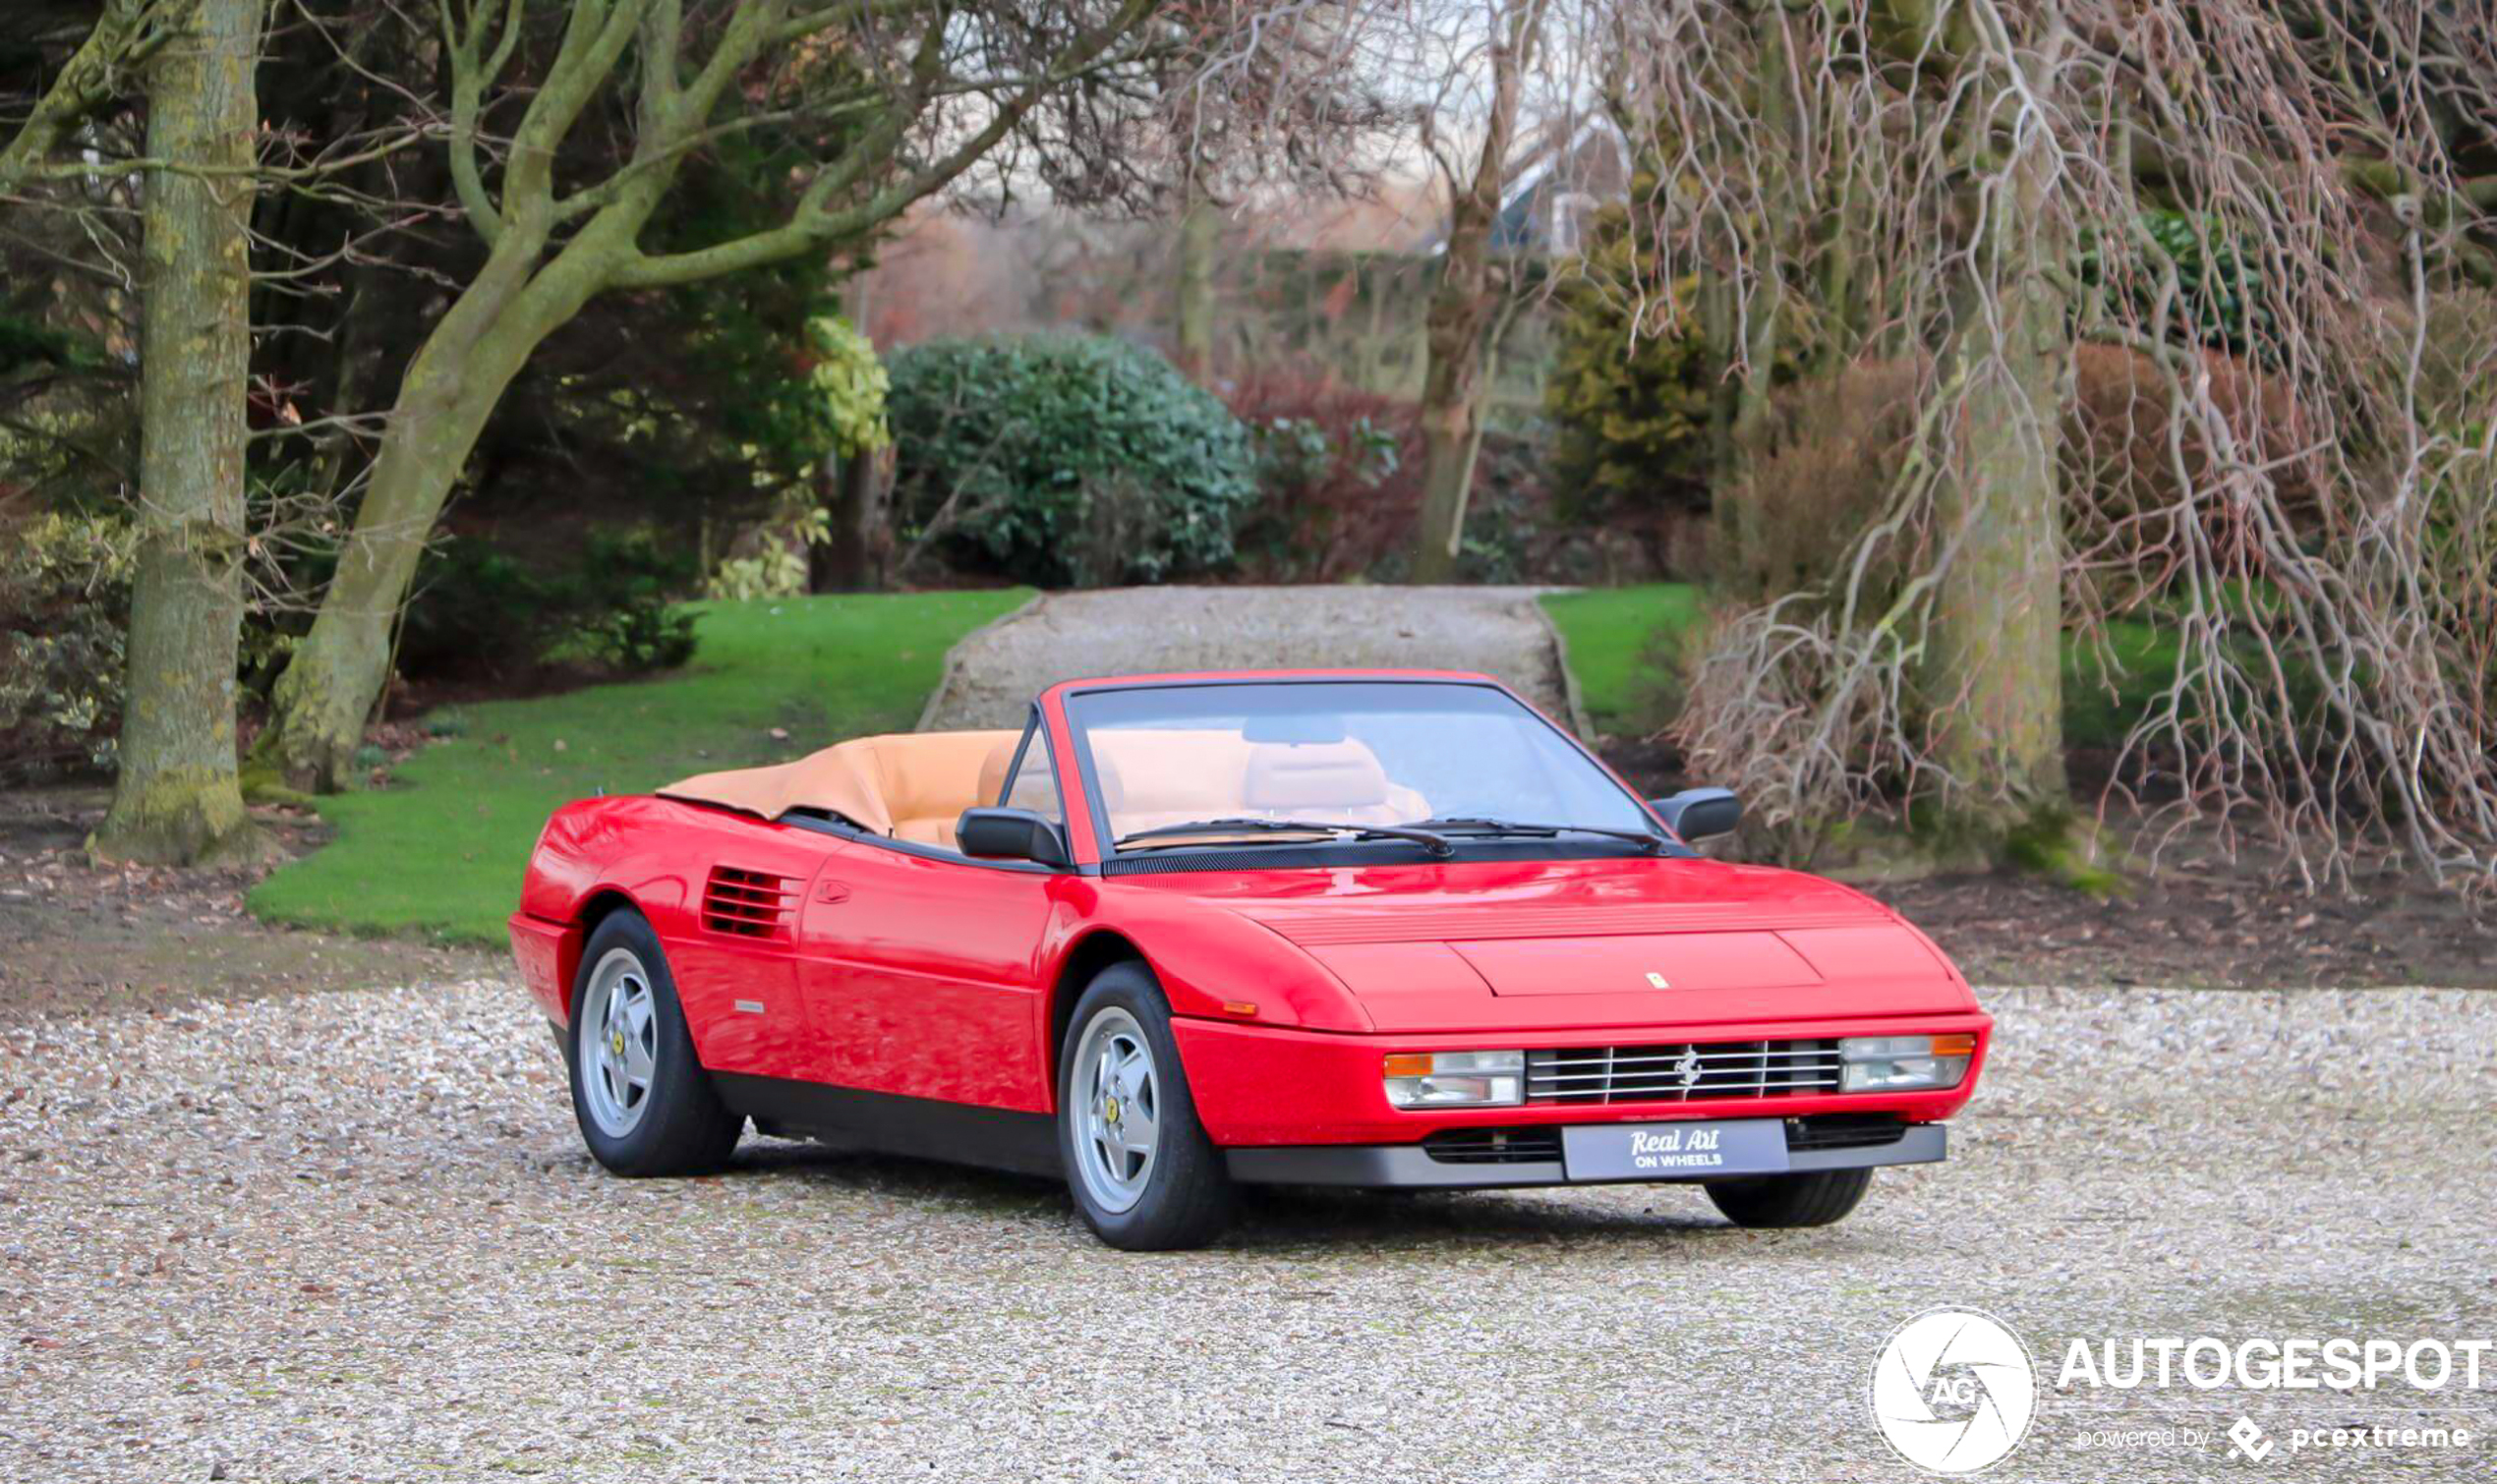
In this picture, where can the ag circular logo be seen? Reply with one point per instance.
(1953, 1390)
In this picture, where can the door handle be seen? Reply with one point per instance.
(832, 891)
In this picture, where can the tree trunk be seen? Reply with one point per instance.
(857, 491)
(321, 703)
(1994, 662)
(859, 495)
(177, 799)
(1200, 234)
(1461, 306)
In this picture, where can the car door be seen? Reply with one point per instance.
(920, 970)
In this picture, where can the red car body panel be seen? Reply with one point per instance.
(931, 976)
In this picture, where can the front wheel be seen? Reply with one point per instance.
(1813, 1199)
(1142, 1172)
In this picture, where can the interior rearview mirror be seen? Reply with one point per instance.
(1011, 834)
(1695, 814)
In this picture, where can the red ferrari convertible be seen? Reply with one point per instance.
(1185, 932)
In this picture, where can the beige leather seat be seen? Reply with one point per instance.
(927, 780)
(1325, 781)
(1153, 778)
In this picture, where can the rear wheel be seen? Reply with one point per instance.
(1813, 1199)
(1142, 1172)
(644, 1104)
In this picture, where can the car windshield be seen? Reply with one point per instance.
(1457, 759)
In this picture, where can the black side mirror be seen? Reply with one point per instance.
(1011, 834)
(1695, 814)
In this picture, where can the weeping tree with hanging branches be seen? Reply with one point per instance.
(2271, 218)
(874, 105)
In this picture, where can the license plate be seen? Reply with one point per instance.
(1675, 1150)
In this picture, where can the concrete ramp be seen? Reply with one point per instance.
(991, 675)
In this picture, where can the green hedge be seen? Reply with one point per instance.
(1067, 460)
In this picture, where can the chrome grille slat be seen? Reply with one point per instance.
(1636, 1093)
(1706, 1059)
(1801, 1067)
(1803, 1077)
(1682, 1073)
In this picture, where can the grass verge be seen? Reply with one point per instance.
(1609, 631)
(439, 851)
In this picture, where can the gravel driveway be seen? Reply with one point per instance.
(991, 675)
(353, 1235)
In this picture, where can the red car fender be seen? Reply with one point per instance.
(1210, 961)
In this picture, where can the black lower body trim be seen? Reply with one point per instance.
(1410, 1165)
(994, 1138)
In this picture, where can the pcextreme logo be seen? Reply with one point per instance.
(1953, 1390)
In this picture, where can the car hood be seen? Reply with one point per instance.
(1646, 941)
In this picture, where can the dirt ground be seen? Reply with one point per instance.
(73, 937)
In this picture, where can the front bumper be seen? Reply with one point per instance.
(1414, 1166)
(1267, 1086)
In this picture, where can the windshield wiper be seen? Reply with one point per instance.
(1477, 825)
(1437, 846)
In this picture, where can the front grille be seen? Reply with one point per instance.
(1494, 1146)
(1682, 1073)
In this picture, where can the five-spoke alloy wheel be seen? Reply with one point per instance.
(1120, 1106)
(1143, 1174)
(620, 1042)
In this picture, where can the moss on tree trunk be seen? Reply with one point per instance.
(1199, 236)
(177, 800)
(1992, 675)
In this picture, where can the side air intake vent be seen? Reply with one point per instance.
(746, 903)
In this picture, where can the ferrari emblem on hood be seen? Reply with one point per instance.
(1656, 981)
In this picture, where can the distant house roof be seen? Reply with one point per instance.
(1558, 172)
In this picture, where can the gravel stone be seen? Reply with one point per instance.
(353, 1235)
(993, 676)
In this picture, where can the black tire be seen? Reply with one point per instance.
(1769, 1201)
(680, 1127)
(1187, 1198)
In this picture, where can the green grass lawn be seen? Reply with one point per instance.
(1612, 630)
(1609, 631)
(440, 850)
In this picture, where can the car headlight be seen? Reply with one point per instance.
(1456, 1079)
(1904, 1063)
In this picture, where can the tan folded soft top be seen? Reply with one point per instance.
(909, 786)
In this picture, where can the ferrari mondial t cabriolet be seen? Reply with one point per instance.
(1185, 932)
